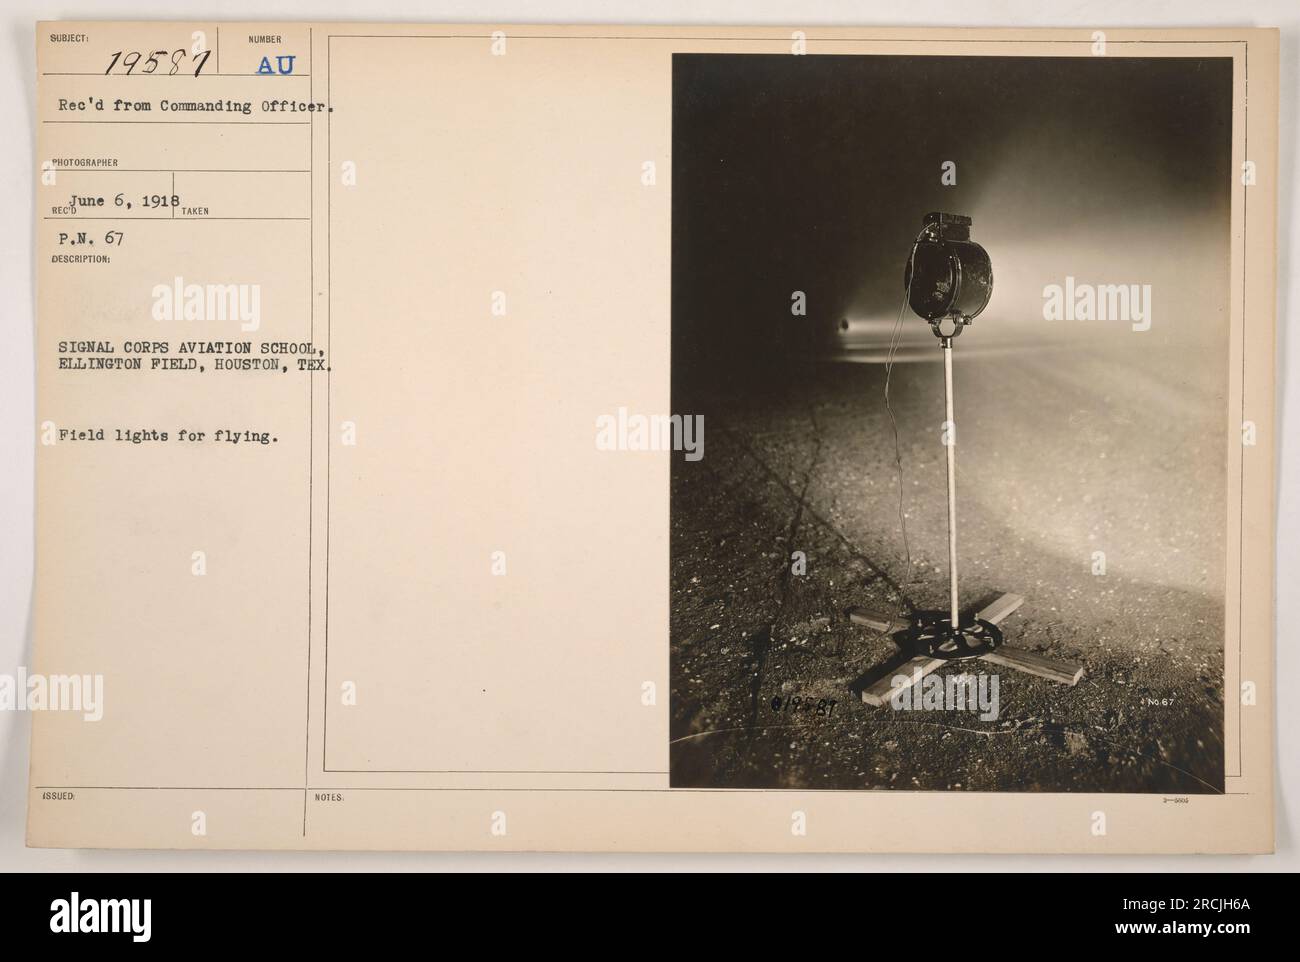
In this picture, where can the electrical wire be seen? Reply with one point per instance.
(894, 340)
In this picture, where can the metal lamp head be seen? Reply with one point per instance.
(948, 274)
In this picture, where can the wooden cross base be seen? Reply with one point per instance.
(905, 676)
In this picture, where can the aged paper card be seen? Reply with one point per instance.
(489, 437)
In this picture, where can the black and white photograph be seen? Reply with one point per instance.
(958, 330)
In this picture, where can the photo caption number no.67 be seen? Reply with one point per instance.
(128, 60)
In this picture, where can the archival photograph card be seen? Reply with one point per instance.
(654, 439)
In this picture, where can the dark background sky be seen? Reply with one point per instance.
(812, 173)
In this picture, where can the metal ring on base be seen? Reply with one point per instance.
(932, 634)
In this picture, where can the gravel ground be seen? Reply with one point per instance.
(1059, 455)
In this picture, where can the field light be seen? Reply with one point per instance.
(949, 278)
(948, 274)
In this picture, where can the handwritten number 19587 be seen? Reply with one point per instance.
(128, 60)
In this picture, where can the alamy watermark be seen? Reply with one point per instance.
(179, 301)
(36, 692)
(624, 431)
(962, 692)
(1072, 301)
(77, 916)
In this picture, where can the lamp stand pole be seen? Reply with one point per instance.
(885, 688)
(950, 443)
